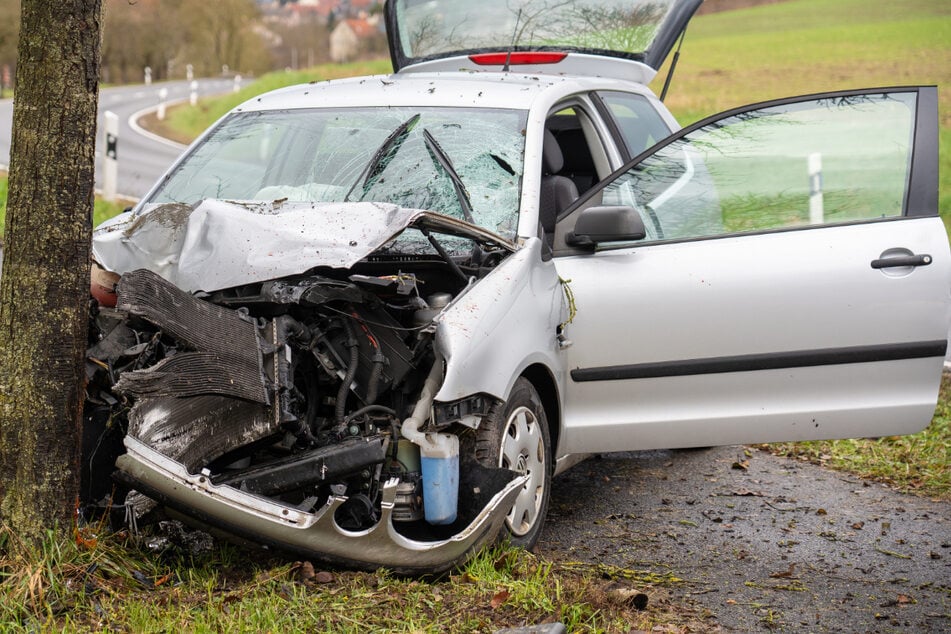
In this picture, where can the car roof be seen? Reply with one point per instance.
(478, 89)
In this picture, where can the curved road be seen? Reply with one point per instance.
(143, 158)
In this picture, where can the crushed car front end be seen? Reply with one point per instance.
(298, 409)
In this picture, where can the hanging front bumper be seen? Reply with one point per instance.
(309, 534)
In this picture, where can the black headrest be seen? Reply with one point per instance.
(552, 158)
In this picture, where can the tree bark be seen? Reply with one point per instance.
(44, 288)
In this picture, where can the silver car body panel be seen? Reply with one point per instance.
(793, 293)
(501, 325)
(290, 528)
(220, 244)
(572, 64)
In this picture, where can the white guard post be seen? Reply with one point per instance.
(110, 162)
(816, 211)
(162, 95)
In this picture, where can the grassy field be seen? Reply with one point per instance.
(184, 123)
(804, 46)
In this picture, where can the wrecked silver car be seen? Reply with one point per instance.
(368, 320)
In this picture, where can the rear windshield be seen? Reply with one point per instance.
(433, 28)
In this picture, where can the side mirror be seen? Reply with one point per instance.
(606, 224)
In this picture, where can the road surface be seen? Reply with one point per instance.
(761, 543)
(143, 158)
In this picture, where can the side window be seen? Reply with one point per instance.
(827, 160)
(638, 122)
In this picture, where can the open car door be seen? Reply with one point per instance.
(777, 272)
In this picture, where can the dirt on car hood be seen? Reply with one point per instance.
(220, 244)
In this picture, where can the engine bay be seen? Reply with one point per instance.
(294, 389)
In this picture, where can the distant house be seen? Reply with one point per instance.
(352, 37)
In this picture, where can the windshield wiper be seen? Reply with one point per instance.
(442, 159)
(387, 150)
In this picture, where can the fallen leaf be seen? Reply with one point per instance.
(500, 597)
(746, 493)
(821, 512)
(506, 560)
(467, 578)
(741, 464)
(785, 574)
(305, 572)
(323, 577)
(858, 525)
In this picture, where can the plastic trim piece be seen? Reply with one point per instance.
(769, 361)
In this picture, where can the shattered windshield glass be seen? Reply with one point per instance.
(461, 162)
(625, 27)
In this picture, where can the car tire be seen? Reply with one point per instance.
(515, 436)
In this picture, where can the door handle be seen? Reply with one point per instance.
(905, 260)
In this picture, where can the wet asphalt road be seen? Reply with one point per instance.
(779, 545)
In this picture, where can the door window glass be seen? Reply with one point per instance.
(828, 160)
(638, 121)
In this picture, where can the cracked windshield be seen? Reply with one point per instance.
(433, 28)
(461, 162)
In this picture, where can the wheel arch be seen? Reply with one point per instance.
(544, 383)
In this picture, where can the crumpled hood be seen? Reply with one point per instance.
(218, 244)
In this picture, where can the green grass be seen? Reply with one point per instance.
(108, 582)
(803, 46)
(184, 123)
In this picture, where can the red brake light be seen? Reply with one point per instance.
(517, 58)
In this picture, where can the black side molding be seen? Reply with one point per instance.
(768, 361)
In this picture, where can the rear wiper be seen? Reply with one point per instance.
(383, 155)
(440, 157)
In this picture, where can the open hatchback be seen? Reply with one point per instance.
(624, 39)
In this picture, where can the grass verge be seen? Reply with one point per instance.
(919, 463)
(184, 123)
(111, 583)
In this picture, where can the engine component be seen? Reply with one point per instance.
(434, 305)
(316, 466)
(408, 505)
(226, 360)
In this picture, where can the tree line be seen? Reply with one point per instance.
(168, 36)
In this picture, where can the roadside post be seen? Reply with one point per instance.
(163, 95)
(148, 75)
(237, 83)
(816, 211)
(193, 97)
(110, 162)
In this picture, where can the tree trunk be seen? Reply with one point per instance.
(44, 288)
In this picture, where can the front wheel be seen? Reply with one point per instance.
(515, 436)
